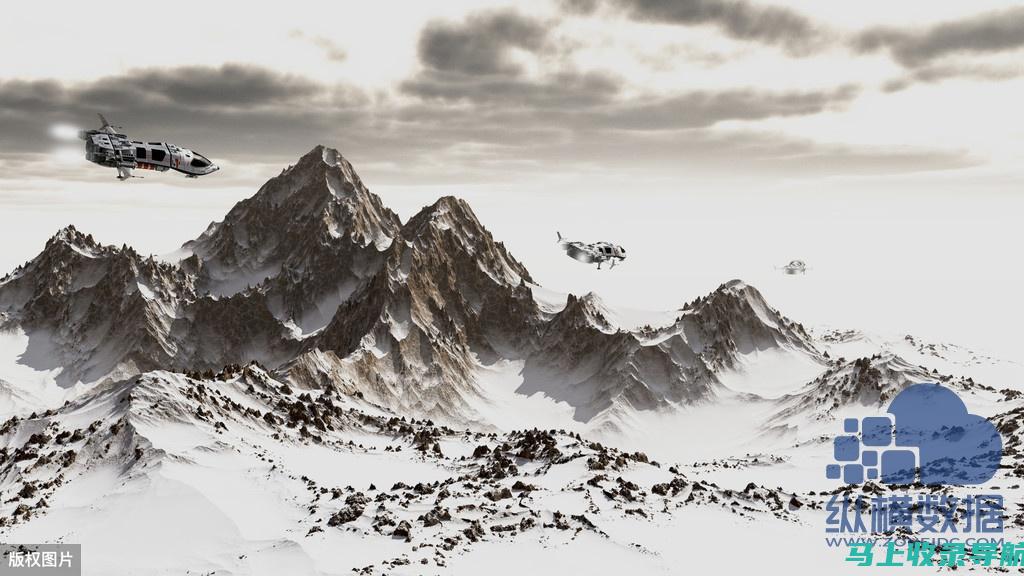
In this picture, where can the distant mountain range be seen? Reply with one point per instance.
(316, 279)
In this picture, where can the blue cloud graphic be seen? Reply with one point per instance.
(954, 446)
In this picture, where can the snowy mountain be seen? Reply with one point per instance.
(319, 388)
(735, 320)
(316, 278)
(309, 237)
(101, 310)
(105, 313)
(447, 298)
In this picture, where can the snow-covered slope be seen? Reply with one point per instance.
(268, 477)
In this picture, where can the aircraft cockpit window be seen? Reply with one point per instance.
(158, 155)
(140, 153)
(199, 162)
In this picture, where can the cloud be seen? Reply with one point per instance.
(236, 105)
(445, 126)
(702, 109)
(738, 19)
(481, 44)
(467, 68)
(937, 72)
(196, 88)
(565, 90)
(983, 34)
(230, 85)
(331, 50)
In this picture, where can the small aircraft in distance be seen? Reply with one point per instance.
(108, 147)
(599, 252)
(795, 267)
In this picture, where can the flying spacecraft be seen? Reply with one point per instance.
(599, 252)
(795, 267)
(108, 147)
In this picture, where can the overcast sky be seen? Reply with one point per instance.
(628, 119)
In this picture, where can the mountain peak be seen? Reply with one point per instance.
(315, 215)
(445, 211)
(71, 236)
(734, 285)
(735, 319)
(587, 310)
(732, 293)
(320, 163)
(450, 226)
(319, 154)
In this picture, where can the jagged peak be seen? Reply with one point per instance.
(453, 217)
(328, 162)
(73, 237)
(69, 240)
(310, 159)
(737, 294)
(735, 288)
(69, 247)
(587, 309)
(589, 302)
(735, 319)
(320, 196)
(444, 213)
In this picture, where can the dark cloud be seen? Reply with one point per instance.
(230, 105)
(469, 79)
(738, 19)
(979, 35)
(195, 88)
(231, 85)
(467, 70)
(480, 44)
(448, 126)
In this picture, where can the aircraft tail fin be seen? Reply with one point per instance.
(559, 235)
(107, 126)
